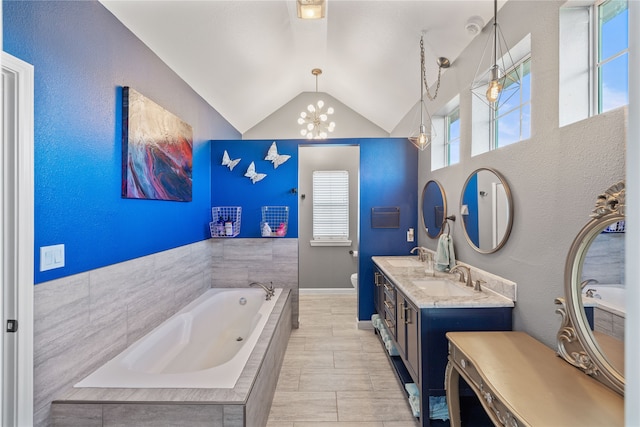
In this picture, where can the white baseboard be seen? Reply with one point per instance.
(342, 291)
(365, 324)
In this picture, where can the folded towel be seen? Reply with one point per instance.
(445, 257)
(412, 389)
(438, 409)
(391, 348)
(414, 402)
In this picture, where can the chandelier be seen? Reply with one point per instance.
(501, 81)
(423, 138)
(315, 119)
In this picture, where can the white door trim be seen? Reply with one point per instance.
(22, 258)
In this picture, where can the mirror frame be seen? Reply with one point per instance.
(507, 191)
(576, 344)
(444, 208)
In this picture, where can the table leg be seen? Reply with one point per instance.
(451, 384)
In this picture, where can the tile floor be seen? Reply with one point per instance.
(335, 375)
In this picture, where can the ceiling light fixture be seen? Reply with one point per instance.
(423, 139)
(501, 81)
(315, 118)
(311, 9)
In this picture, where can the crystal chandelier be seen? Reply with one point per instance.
(315, 119)
(501, 81)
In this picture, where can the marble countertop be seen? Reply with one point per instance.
(404, 271)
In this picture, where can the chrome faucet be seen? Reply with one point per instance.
(587, 282)
(460, 269)
(268, 289)
(422, 253)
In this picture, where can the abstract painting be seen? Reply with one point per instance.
(157, 151)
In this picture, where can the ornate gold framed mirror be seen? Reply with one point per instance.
(434, 208)
(584, 340)
(486, 208)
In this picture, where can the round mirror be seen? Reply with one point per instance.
(434, 208)
(486, 209)
(594, 288)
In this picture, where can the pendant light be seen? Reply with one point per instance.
(501, 81)
(423, 137)
(315, 120)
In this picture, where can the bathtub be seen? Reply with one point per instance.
(204, 345)
(610, 298)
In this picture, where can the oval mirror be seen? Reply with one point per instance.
(486, 208)
(434, 208)
(594, 289)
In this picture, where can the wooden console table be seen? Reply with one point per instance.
(522, 382)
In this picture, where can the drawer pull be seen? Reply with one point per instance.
(463, 363)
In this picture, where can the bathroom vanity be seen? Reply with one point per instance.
(418, 309)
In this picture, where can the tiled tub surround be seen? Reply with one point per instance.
(247, 404)
(81, 321)
(84, 320)
(237, 262)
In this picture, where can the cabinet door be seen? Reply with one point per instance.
(412, 321)
(378, 296)
(401, 330)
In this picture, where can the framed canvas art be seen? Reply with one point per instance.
(157, 151)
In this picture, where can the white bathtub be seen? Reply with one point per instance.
(204, 345)
(610, 298)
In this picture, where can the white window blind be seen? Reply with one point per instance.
(330, 205)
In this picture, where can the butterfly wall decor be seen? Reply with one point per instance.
(226, 161)
(253, 175)
(276, 159)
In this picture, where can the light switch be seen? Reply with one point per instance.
(51, 257)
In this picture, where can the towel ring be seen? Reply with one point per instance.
(446, 224)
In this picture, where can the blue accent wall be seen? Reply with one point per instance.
(232, 188)
(82, 56)
(388, 177)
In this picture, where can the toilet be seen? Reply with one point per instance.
(354, 280)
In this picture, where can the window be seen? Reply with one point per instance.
(611, 43)
(445, 146)
(594, 59)
(512, 121)
(330, 208)
(452, 138)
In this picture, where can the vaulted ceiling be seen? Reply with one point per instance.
(247, 58)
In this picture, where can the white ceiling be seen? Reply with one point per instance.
(247, 58)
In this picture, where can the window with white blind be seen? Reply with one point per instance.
(330, 208)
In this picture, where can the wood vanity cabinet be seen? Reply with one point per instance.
(408, 333)
(419, 335)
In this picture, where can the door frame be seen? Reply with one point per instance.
(20, 218)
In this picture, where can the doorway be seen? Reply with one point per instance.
(16, 251)
(327, 266)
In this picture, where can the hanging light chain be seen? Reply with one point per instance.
(424, 73)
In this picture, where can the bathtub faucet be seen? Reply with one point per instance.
(268, 289)
(588, 282)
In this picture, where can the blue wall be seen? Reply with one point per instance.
(388, 177)
(232, 188)
(82, 57)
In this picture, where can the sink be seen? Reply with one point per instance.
(405, 263)
(443, 288)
